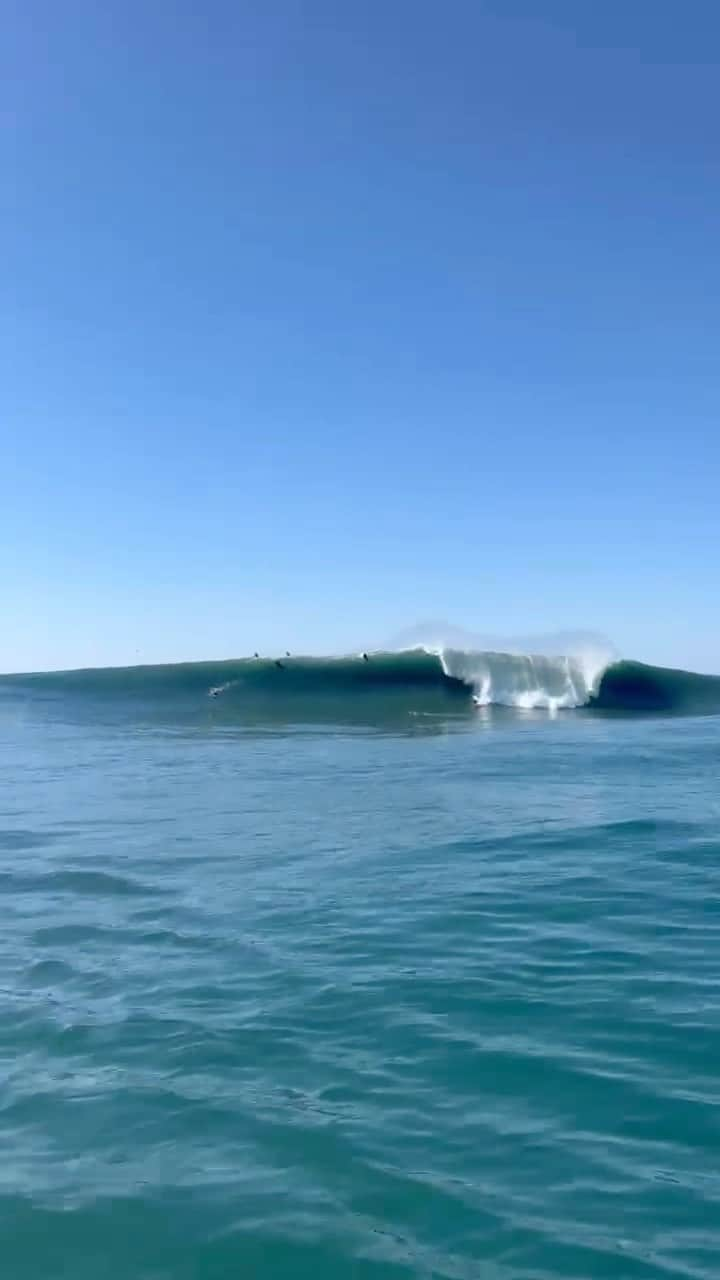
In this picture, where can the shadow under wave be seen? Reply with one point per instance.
(636, 686)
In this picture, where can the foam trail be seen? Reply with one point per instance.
(217, 689)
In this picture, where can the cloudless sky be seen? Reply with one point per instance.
(320, 318)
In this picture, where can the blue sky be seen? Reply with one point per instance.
(320, 319)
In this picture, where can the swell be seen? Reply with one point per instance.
(274, 677)
(413, 677)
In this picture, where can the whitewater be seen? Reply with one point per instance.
(526, 681)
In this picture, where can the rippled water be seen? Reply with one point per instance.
(441, 1000)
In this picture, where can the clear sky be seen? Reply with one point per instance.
(320, 318)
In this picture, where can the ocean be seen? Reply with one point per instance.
(384, 967)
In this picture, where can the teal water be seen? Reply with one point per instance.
(426, 992)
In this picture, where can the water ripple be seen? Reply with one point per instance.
(370, 1006)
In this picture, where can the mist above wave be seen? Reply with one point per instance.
(437, 636)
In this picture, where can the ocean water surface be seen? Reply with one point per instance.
(391, 986)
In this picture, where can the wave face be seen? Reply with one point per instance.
(635, 686)
(417, 680)
(248, 677)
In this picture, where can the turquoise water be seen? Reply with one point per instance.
(424, 991)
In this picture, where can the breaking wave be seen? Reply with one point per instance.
(525, 680)
(413, 678)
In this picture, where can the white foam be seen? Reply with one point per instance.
(527, 680)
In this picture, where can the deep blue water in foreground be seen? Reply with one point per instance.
(434, 998)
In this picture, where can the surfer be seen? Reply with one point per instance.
(256, 655)
(364, 657)
(279, 664)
